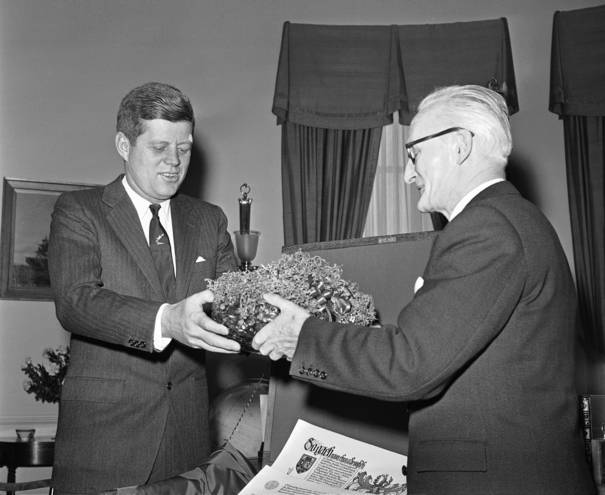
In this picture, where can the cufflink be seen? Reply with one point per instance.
(137, 344)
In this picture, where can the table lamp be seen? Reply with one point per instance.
(246, 240)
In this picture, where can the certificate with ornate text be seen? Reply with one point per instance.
(270, 481)
(319, 461)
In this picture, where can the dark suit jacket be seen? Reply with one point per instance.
(484, 353)
(117, 393)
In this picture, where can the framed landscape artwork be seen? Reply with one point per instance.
(26, 213)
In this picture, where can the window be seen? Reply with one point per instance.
(393, 204)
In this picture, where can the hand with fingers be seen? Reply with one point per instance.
(279, 337)
(187, 322)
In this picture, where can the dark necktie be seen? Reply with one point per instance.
(159, 243)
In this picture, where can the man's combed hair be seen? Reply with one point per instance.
(150, 101)
(478, 109)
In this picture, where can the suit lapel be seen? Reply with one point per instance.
(125, 222)
(186, 233)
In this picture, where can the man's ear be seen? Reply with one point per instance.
(464, 146)
(122, 145)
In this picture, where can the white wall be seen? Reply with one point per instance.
(65, 65)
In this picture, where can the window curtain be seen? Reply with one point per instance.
(328, 176)
(585, 162)
(476, 52)
(577, 95)
(336, 87)
(353, 78)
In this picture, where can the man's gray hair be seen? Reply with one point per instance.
(478, 109)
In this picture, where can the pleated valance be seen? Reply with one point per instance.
(577, 73)
(342, 77)
(434, 55)
(354, 77)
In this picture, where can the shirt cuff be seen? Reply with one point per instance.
(160, 343)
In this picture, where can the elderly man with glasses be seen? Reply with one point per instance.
(484, 352)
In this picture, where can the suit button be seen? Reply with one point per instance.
(169, 385)
(301, 371)
(316, 373)
(323, 375)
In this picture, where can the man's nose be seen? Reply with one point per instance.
(172, 157)
(409, 173)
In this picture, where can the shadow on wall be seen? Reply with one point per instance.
(228, 370)
(195, 179)
(519, 173)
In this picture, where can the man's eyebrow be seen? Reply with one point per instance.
(163, 141)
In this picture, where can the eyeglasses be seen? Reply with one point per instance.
(413, 154)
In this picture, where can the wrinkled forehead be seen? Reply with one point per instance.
(423, 124)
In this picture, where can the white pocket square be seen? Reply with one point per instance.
(200, 259)
(418, 284)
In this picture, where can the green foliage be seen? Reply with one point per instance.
(309, 281)
(45, 383)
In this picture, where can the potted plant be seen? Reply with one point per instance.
(43, 381)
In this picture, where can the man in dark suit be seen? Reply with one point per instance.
(128, 280)
(484, 352)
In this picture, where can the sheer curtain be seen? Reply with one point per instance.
(393, 203)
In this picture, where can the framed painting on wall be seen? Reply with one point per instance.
(26, 213)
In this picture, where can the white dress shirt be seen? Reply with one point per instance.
(144, 213)
(466, 199)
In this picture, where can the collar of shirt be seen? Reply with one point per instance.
(466, 199)
(144, 213)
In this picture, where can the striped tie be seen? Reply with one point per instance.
(159, 244)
